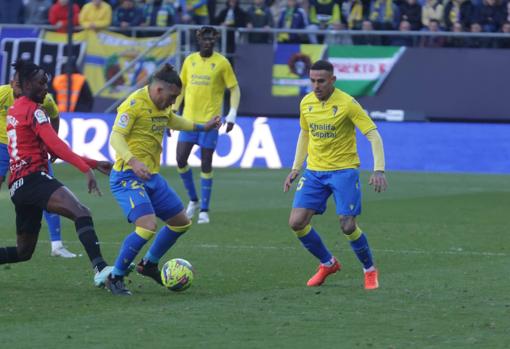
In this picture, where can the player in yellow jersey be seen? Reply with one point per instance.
(205, 75)
(328, 118)
(142, 193)
(7, 95)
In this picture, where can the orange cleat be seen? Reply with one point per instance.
(371, 280)
(322, 273)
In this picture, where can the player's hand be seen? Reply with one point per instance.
(92, 183)
(213, 123)
(140, 169)
(105, 167)
(230, 126)
(290, 178)
(378, 181)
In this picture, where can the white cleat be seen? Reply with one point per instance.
(63, 252)
(203, 218)
(192, 209)
(100, 277)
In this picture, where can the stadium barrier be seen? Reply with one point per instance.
(270, 143)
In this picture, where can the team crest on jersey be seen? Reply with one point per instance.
(40, 116)
(11, 120)
(193, 63)
(213, 65)
(123, 120)
(310, 108)
(335, 109)
(132, 103)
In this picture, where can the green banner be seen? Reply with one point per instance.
(361, 70)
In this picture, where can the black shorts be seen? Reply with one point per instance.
(30, 195)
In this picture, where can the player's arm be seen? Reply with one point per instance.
(121, 147)
(235, 98)
(181, 124)
(56, 146)
(126, 117)
(43, 129)
(178, 101)
(180, 98)
(365, 124)
(299, 159)
(378, 179)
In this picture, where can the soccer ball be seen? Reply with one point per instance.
(177, 274)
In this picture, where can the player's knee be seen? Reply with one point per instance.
(25, 252)
(82, 211)
(348, 225)
(182, 163)
(297, 224)
(206, 167)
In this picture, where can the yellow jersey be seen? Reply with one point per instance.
(204, 80)
(331, 129)
(7, 100)
(143, 126)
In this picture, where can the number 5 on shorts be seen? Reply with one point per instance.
(301, 183)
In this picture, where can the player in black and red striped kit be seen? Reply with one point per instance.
(31, 139)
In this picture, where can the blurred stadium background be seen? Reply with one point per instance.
(434, 75)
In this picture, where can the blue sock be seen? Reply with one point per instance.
(53, 221)
(313, 243)
(206, 181)
(165, 239)
(359, 245)
(187, 178)
(132, 244)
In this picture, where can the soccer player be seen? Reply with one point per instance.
(7, 95)
(32, 189)
(142, 193)
(205, 75)
(328, 117)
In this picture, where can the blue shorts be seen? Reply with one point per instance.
(4, 160)
(315, 187)
(138, 198)
(206, 140)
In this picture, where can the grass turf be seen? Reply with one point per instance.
(439, 240)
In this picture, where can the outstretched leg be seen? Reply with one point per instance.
(28, 225)
(361, 248)
(299, 222)
(64, 203)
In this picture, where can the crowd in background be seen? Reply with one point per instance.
(401, 15)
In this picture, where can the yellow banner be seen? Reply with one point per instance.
(107, 53)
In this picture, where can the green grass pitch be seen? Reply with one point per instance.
(441, 242)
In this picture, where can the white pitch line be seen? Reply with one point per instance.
(457, 252)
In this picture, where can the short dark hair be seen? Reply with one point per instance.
(322, 65)
(26, 70)
(207, 29)
(168, 74)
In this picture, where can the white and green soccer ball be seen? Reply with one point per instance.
(177, 274)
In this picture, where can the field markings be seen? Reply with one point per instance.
(453, 252)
